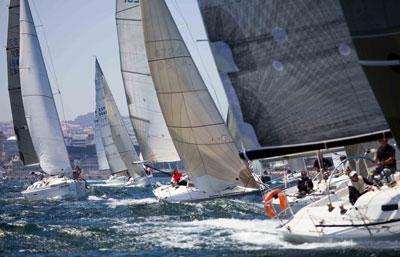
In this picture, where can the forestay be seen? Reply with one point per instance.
(144, 110)
(40, 109)
(199, 133)
(113, 157)
(298, 76)
(26, 150)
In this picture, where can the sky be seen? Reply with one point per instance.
(76, 31)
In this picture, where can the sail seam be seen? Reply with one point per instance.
(136, 72)
(170, 58)
(183, 92)
(51, 97)
(199, 126)
(132, 7)
(198, 144)
(126, 19)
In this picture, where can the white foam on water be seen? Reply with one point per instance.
(113, 203)
(96, 198)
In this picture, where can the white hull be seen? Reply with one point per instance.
(54, 188)
(175, 194)
(375, 216)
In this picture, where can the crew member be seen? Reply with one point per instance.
(305, 185)
(177, 178)
(358, 186)
(385, 158)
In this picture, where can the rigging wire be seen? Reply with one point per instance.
(50, 59)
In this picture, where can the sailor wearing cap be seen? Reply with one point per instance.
(357, 186)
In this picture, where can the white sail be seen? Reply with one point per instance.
(199, 133)
(188, 19)
(120, 135)
(144, 110)
(40, 109)
(100, 152)
(117, 166)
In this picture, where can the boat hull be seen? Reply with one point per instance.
(70, 189)
(176, 194)
(375, 216)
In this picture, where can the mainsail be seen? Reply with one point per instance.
(144, 110)
(26, 150)
(375, 30)
(40, 109)
(199, 133)
(118, 132)
(298, 80)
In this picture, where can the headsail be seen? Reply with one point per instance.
(298, 79)
(115, 162)
(199, 133)
(119, 136)
(40, 109)
(144, 110)
(100, 152)
(375, 30)
(26, 150)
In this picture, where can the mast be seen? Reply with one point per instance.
(199, 133)
(25, 146)
(40, 109)
(144, 110)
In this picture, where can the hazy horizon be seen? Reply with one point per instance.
(76, 31)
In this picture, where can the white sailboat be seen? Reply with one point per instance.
(33, 104)
(196, 126)
(119, 150)
(304, 82)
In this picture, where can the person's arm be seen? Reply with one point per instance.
(391, 158)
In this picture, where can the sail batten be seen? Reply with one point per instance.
(24, 141)
(193, 119)
(144, 110)
(38, 102)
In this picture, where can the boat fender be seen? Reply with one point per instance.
(283, 202)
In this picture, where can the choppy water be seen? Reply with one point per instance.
(129, 221)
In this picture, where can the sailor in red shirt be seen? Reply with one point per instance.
(176, 177)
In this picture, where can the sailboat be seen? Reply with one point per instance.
(199, 132)
(36, 121)
(304, 82)
(118, 146)
(154, 140)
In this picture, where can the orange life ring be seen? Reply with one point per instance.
(283, 202)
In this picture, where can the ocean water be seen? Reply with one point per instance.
(130, 222)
